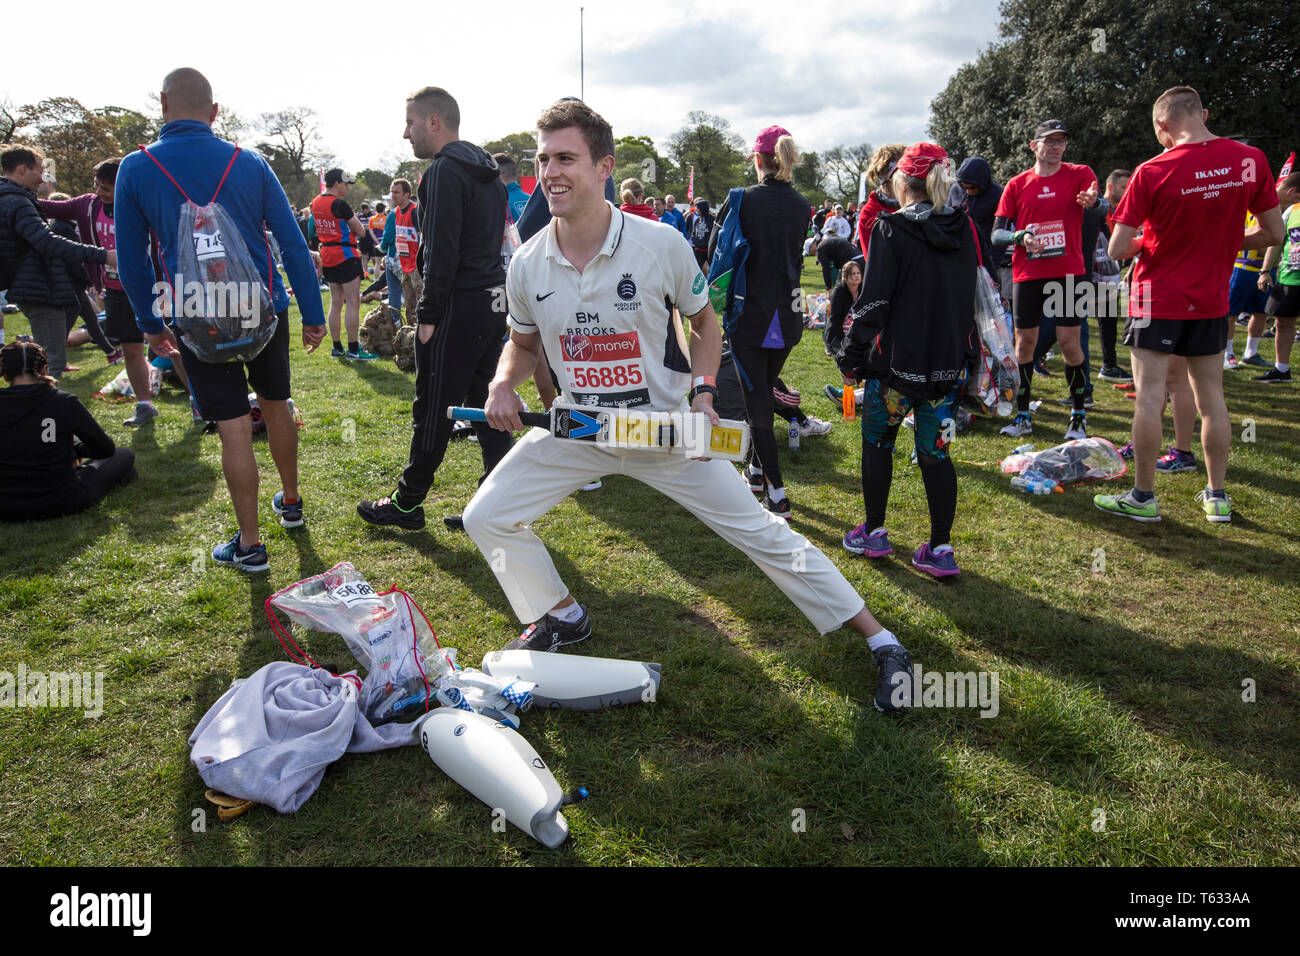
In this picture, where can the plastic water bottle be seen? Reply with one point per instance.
(794, 436)
(1035, 484)
(848, 404)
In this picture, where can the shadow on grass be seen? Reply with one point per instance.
(714, 772)
(1169, 538)
(1191, 692)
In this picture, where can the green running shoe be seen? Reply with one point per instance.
(1127, 506)
(1216, 509)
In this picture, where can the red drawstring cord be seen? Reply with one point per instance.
(300, 656)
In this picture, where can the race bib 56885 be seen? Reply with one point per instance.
(605, 370)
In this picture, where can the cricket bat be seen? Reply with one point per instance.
(689, 434)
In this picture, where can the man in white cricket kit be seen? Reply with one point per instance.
(592, 295)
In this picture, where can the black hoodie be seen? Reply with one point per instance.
(39, 429)
(913, 323)
(981, 208)
(462, 225)
(700, 239)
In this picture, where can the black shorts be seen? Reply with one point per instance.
(1284, 301)
(343, 273)
(119, 318)
(1030, 300)
(221, 389)
(1185, 337)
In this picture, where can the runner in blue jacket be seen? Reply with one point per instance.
(149, 200)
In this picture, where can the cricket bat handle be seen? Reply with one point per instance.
(457, 413)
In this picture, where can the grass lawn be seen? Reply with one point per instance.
(1121, 738)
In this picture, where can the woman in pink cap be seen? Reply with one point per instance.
(913, 331)
(774, 219)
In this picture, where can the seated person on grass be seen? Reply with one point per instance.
(43, 433)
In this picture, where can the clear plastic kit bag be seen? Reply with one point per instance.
(407, 670)
(1084, 459)
(991, 321)
(216, 296)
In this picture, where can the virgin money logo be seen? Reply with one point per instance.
(576, 347)
(623, 346)
(600, 348)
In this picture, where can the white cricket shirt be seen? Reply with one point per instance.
(608, 331)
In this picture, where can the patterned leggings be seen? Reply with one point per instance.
(883, 411)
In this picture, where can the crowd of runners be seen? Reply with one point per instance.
(607, 305)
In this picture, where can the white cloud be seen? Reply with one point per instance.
(830, 72)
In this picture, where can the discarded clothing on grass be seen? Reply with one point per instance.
(270, 737)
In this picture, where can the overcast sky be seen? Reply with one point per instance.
(841, 72)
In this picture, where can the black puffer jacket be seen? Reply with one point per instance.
(914, 321)
(40, 277)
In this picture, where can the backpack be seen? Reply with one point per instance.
(404, 348)
(727, 272)
(378, 329)
(222, 307)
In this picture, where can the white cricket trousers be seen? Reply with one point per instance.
(541, 470)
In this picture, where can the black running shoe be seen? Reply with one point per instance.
(779, 508)
(894, 679)
(1274, 377)
(550, 634)
(454, 522)
(385, 512)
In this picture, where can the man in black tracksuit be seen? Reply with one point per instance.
(462, 312)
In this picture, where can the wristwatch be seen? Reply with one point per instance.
(701, 389)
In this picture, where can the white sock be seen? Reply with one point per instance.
(884, 639)
(2, 336)
(1252, 347)
(149, 403)
(1283, 366)
(878, 530)
(776, 494)
(942, 548)
(568, 614)
(1229, 352)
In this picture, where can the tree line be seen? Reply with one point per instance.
(1098, 68)
(77, 137)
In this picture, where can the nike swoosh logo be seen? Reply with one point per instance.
(547, 296)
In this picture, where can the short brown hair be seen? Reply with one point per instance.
(878, 168)
(598, 134)
(16, 156)
(1117, 174)
(1177, 102)
(1292, 181)
(506, 163)
(434, 99)
(405, 184)
(106, 172)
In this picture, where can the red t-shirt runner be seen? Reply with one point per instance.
(1190, 202)
(1046, 206)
